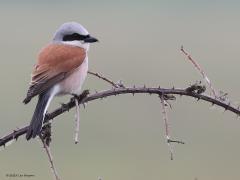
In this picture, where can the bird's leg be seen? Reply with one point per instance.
(78, 99)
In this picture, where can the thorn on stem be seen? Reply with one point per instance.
(227, 107)
(64, 107)
(181, 47)
(175, 141)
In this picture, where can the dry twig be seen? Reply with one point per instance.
(50, 158)
(164, 104)
(104, 78)
(77, 121)
(165, 118)
(198, 67)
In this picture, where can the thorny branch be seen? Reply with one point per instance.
(192, 91)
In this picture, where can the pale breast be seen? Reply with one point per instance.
(73, 83)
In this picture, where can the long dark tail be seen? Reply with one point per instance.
(38, 116)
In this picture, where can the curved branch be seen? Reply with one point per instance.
(191, 91)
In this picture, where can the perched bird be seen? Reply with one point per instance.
(61, 69)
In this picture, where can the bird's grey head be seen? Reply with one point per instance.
(75, 34)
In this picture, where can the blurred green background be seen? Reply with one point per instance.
(123, 137)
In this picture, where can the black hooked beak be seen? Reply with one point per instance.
(90, 39)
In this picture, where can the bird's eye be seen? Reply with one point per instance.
(75, 37)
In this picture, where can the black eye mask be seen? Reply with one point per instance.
(75, 36)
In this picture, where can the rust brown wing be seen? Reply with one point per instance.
(55, 63)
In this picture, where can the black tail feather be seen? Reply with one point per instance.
(38, 116)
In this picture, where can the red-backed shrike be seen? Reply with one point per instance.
(61, 69)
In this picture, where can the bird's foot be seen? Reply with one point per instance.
(80, 97)
(46, 133)
(65, 107)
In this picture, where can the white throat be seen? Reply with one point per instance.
(78, 44)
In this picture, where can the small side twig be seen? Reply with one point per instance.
(198, 67)
(104, 78)
(77, 122)
(50, 158)
(165, 118)
(77, 100)
(166, 124)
